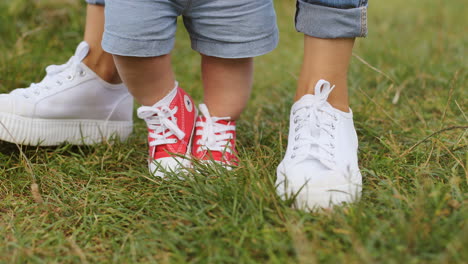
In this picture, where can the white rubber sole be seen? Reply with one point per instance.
(48, 132)
(175, 165)
(308, 198)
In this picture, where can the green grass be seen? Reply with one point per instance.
(100, 205)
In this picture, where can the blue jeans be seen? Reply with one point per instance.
(332, 18)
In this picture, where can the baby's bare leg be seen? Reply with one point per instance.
(148, 79)
(227, 84)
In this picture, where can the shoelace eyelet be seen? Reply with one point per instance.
(296, 137)
(82, 73)
(70, 77)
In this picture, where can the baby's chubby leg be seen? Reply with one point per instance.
(227, 85)
(228, 34)
(148, 79)
(168, 111)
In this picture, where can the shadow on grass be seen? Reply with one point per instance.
(11, 149)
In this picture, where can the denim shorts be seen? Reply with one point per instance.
(332, 18)
(219, 28)
(95, 2)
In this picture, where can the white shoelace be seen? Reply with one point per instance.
(163, 122)
(56, 75)
(315, 120)
(214, 135)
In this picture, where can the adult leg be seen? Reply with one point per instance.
(320, 166)
(326, 59)
(80, 102)
(98, 60)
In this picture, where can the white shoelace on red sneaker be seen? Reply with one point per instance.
(163, 122)
(312, 120)
(57, 74)
(214, 135)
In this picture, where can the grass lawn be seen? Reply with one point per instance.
(98, 204)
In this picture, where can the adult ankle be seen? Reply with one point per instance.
(340, 106)
(103, 65)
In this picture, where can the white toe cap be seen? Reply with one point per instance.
(318, 188)
(162, 166)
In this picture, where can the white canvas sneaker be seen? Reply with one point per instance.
(71, 104)
(320, 167)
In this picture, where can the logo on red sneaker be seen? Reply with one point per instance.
(188, 103)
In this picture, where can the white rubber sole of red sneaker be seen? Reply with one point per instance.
(47, 132)
(217, 163)
(311, 199)
(174, 165)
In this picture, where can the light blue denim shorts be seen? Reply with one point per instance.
(332, 18)
(219, 28)
(95, 2)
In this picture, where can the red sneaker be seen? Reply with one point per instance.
(215, 139)
(170, 130)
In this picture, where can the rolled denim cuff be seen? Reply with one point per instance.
(329, 22)
(95, 2)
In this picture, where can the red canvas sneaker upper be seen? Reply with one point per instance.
(170, 127)
(215, 138)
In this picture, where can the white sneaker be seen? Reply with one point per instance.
(71, 104)
(320, 167)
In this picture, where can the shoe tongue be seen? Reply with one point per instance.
(222, 121)
(314, 130)
(225, 122)
(307, 99)
(317, 166)
(82, 51)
